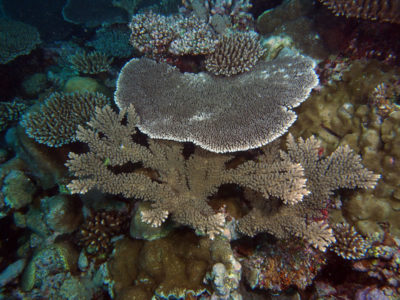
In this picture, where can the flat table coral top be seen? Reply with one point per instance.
(220, 114)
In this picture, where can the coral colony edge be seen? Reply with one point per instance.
(200, 149)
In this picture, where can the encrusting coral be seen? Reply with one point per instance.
(54, 122)
(181, 187)
(220, 114)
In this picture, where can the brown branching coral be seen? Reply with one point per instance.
(349, 243)
(220, 114)
(183, 185)
(55, 121)
(90, 63)
(96, 233)
(342, 169)
(234, 54)
(384, 97)
(375, 10)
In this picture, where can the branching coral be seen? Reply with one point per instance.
(349, 243)
(90, 63)
(157, 35)
(235, 53)
(220, 114)
(16, 38)
(55, 121)
(383, 11)
(183, 185)
(10, 112)
(342, 169)
(96, 233)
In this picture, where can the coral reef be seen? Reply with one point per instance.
(158, 35)
(96, 233)
(220, 114)
(221, 14)
(349, 243)
(17, 190)
(10, 112)
(90, 63)
(93, 14)
(384, 96)
(113, 42)
(175, 267)
(128, 5)
(16, 38)
(340, 114)
(46, 264)
(55, 121)
(234, 54)
(383, 11)
(278, 265)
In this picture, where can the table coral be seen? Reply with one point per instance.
(220, 114)
(16, 39)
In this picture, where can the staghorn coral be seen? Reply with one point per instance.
(349, 243)
(16, 38)
(342, 169)
(375, 10)
(158, 35)
(54, 122)
(10, 112)
(234, 54)
(182, 185)
(90, 63)
(220, 114)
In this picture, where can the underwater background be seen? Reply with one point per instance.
(200, 149)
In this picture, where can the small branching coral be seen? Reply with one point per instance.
(55, 121)
(90, 63)
(235, 53)
(182, 185)
(349, 243)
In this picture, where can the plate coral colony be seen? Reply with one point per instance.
(200, 149)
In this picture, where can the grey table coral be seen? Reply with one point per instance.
(220, 114)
